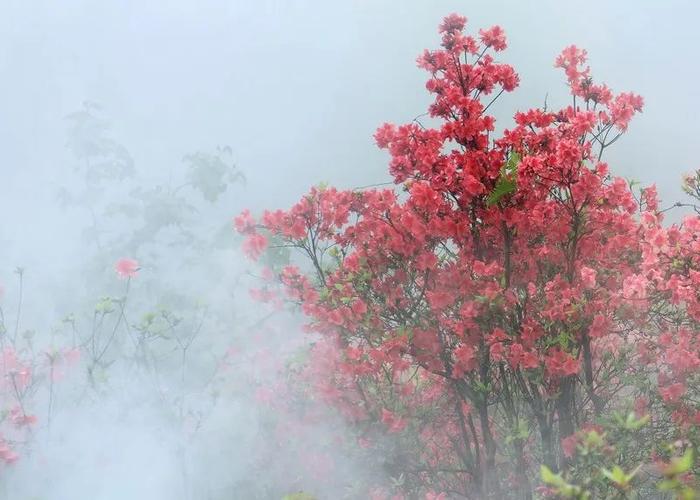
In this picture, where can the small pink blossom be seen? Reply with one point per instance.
(394, 422)
(672, 393)
(453, 23)
(20, 419)
(569, 445)
(126, 268)
(494, 37)
(529, 360)
(6, 454)
(71, 356)
(244, 223)
(431, 495)
(364, 442)
(254, 246)
(588, 277)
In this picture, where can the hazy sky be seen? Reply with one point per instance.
(297, 88)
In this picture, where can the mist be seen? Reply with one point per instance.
(138, 130)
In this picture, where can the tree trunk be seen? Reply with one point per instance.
(565, 412)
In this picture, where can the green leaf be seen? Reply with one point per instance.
(633, 423)
(520, 432)
(563, 488)
(679, 465)
(593, 440)
(667, 485)
(481, 387)
(687, 494)
(550, 477)
(503, 187)
(506, 183)
(618, 476)
(299, 496)
(104, 306)
(512, 163)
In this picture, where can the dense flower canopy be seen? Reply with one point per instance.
(508, 292)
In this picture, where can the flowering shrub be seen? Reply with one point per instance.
(28, 373)
(508, 297)
(142, 336)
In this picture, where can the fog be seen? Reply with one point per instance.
(279, 96)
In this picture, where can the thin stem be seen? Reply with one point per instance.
(20, 272)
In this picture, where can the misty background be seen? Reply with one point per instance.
(295, 89)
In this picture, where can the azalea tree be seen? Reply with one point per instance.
(508, 300)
